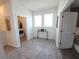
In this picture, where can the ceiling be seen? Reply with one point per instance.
(35, 5)
(75, 4)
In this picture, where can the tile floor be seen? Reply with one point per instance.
(40, 49)
(69, 54)
(8, 49)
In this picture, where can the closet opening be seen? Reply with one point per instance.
(22, 28)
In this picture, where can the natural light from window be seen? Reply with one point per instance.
(38, 21)
(48, 20)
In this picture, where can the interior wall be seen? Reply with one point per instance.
(19, 10)
(3, 38)
(30, 27)
(10, 35)
(52, 30)
(2, 53)
(13, 9)
(2, 34)
(63, 5)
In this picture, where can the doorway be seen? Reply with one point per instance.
(22, 28)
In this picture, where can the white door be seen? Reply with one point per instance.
(68, 28)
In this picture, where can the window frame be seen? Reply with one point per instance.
(42, 20)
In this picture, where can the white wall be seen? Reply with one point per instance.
(63, 5)
(58, 33)
(10, 35)
(2, 13)
(29, 27)
(19, 10)
(2, 53)
(52, 30)
(12, 8)
(3, 40)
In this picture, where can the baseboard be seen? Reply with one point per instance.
(42, 38)
(13, 45)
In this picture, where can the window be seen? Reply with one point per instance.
(48, 20)
(38, 21)
(45, 20)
